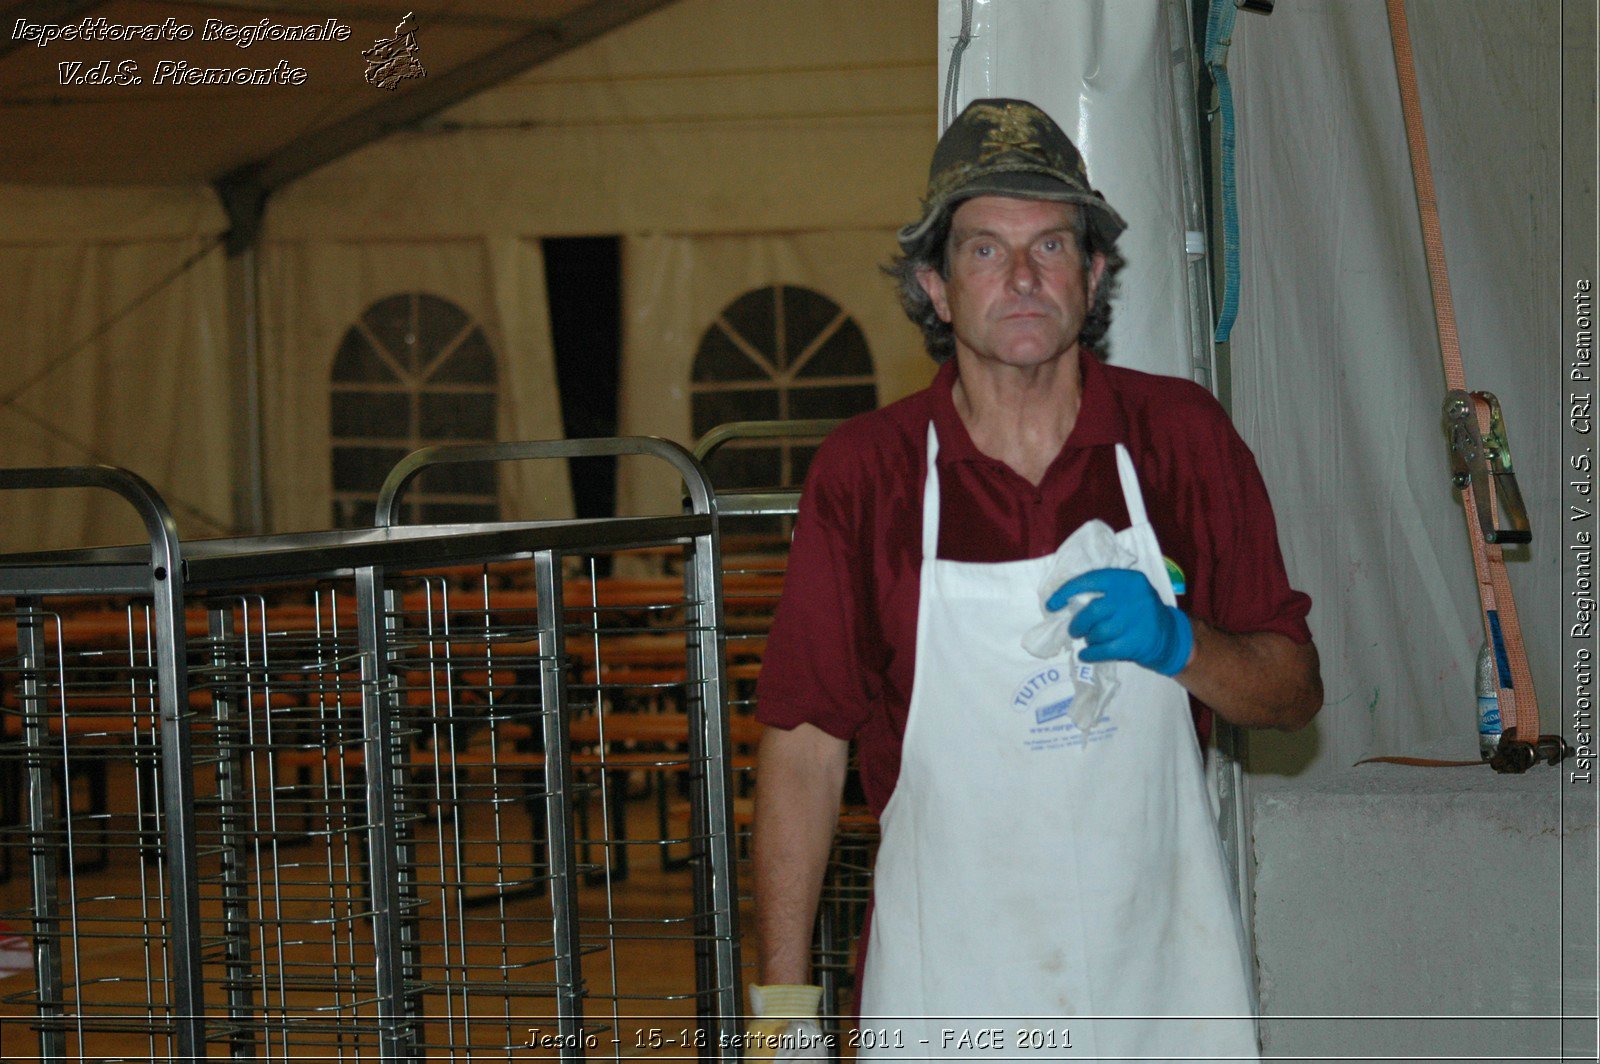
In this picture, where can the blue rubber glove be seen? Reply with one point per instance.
(1127, 621)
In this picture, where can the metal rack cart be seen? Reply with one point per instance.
(104, 693)
(763, 518)
(365, 786)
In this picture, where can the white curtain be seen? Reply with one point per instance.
(114, 353)
(675, 286)
(313, 291)
(732, 116)
(1101, 69)
(1337, 379)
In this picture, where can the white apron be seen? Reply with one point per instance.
(1038, 895)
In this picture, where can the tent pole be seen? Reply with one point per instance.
(1229, 748)
(1202, 355)
(245, 201)
(244, 329)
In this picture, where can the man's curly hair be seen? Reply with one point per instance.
(932, 252)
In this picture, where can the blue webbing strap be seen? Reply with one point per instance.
(1219, 34)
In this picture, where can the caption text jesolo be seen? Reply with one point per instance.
(857, 1038)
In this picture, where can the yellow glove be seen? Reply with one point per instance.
(784, 1024)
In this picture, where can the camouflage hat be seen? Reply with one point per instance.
(1007, 148)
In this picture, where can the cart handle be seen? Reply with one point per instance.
(165, 554)
(804, 428)
(674, 454)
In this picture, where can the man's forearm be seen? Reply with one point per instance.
(1254, 680)
(799, 778)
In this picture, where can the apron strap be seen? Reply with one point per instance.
(930, 499)
(1132, 495)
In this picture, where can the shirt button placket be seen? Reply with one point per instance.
(1037, 533)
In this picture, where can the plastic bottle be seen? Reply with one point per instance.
(1489, 726)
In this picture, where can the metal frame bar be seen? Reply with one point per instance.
(828, 938)
(1231, 745)
(383, 838)
(712, 853)
(711, 804)
(558, 783)
(371, 559)
(164, 576)
(387, 513)
(47, 935)
(234, 855)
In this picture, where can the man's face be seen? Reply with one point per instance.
(1017, 293)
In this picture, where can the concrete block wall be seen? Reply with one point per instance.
(1446, 913)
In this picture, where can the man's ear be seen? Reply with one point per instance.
(1097, 270)
(933, 284)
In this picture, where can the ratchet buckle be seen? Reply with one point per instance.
(1514, 756)
(1484, 461)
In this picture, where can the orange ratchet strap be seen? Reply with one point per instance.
(1480, 462)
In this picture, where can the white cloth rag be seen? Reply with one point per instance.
(1093, 546)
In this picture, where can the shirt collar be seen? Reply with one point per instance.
(955, 443)
(1100, 417)
(1101, 421)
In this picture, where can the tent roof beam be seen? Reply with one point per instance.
(245, 189)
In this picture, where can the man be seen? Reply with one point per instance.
(1042, 856)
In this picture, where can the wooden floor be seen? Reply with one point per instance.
(310, 971)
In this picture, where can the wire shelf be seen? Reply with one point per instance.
(349, 795)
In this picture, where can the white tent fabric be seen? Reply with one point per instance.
(313, 291)
(80, 385)
(707, 116)
(1335, 374)
(677, 285)
(786, 154)
(40, 215)
(1337, 380)
(1102, 71)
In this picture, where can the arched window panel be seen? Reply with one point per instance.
(457, 494)
(752, 322)
(808, 320)
(441, 326)
(456, 416)
(358, 361)
(369, 415)
(722, 359)
(413, 371)
(355, 467)
(831, 401)
(713, 408)
(736, 466)
(391, 325)
(777, 353)
(841, 353)
(470, 362)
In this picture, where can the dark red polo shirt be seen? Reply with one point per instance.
(843, 643)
